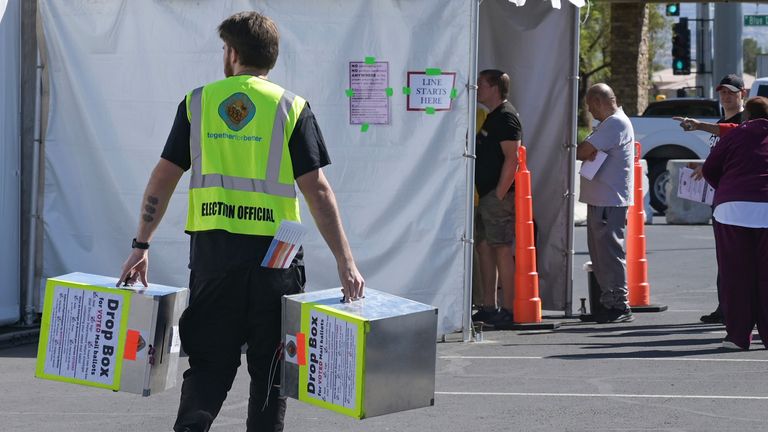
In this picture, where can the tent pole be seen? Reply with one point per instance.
(572, 165)
(469, 155)
(30, 78)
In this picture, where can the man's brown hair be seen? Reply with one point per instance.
(497, 78)
(254, 37)
(757, 107)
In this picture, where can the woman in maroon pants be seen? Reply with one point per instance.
(737, 167)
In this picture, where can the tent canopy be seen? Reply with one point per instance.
(118, 70)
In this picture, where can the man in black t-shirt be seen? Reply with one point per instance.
(496, 149)
(732, 95)
(233, 299)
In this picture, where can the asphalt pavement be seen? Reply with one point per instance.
(663, 372)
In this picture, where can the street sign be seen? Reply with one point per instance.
(756, 20)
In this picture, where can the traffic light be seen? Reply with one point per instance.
(673, 9)
(681, 48)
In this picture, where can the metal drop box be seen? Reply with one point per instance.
(362, 359)
(122, 339)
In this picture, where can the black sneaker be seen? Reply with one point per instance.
(615, 316)
(484, 314)
(714, 318)
(501, 317)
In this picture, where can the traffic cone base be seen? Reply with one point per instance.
(528, 326)
(648, 308)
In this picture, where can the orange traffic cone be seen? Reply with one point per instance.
(527, 304)
(637, 264)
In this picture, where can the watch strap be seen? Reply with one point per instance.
(139, 245)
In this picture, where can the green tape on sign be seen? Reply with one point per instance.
(350, 92)
(406, 90)
(433, 71)
(389, 91)
(429, 110)
(370, 60)
(364, 127)
(454, 93)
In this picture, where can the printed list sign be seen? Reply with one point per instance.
(332, 348)
(368, 99)
(84, 334)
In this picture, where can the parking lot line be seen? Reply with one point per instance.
(609, 358)
(603, 395)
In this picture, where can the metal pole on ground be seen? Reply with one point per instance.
(469, 156)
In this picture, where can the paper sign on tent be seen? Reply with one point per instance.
(369, 92)
(430, 90)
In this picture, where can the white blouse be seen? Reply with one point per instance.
(742, 213)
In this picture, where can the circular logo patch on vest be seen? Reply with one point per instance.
(237, 110)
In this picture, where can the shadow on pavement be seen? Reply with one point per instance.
(650, 343)
(20, 351)
(642, 354)
(591, 327)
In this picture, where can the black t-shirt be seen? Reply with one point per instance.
(502, 124)
(738, 118)
(219, 250)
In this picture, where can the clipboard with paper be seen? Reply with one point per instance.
(694, 189)
(589, 168)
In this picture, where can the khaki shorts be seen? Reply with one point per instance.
(495, 219)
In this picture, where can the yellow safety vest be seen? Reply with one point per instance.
(242, 176)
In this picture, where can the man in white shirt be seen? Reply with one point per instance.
(607, 195)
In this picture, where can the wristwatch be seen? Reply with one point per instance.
(139, 245)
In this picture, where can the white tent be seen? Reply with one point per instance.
(10, 178)
(118, 69)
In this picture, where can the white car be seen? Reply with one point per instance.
(662, 139)
(759, 87)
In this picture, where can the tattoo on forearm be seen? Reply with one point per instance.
(150, 209)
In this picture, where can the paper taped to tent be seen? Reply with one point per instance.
(113, 73)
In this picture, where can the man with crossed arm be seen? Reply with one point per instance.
(607, 196)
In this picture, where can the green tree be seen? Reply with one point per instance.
(594, 46)
(594, 49)
(751, 50)
(658, 38)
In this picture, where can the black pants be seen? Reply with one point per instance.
(227, 310)
(719, 309)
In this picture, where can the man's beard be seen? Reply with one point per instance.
(228, 69)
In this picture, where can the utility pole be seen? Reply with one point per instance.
(704, 49)
(728, 26)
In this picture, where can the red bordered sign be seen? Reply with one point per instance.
(430, 92)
